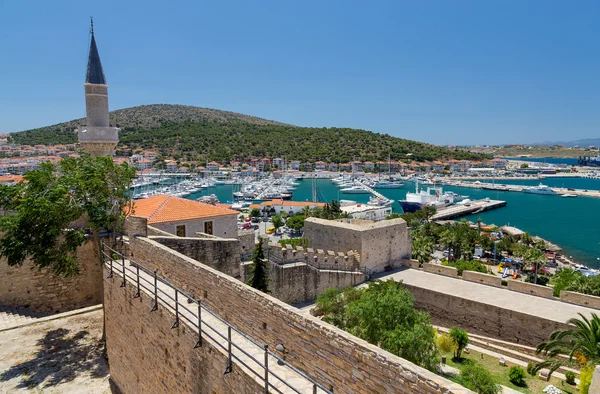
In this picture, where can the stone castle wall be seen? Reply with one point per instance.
(42, 291)
(580, 299)
(378, 244)
(331, 356)
(484, 319)
(148, 356)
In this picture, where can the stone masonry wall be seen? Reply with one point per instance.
(580, 299)
(479, 277)
(43, 291)
(483, 319)
(530, 288)
(440, 269)
(148, 356)
(220, 254)
(300, 282)
(379, 244)
(330, 355)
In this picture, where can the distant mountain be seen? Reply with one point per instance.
(581, 143)
(198, 134)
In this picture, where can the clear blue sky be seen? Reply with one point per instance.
(446, 72)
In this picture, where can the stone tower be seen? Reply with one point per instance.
(97, 138)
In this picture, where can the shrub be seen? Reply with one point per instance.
(516, 375)
(462, 265)
(461, 339)
(446, 344)
(294, 242)
(541, 280)
(585, 379)
(530, 367)
(504, 283)
(478, 379)
(570, 377)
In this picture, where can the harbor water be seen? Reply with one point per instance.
(571, 223)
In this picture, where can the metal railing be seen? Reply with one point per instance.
(116, 262)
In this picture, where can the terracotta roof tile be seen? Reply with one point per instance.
(164, 208)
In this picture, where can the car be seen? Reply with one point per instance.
(246, 226)
(255, 227)
(248, 218)
(255, 220)
(270, 230)
(279, 231)
(265, 219)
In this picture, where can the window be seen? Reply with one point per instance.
(181, 231)
(208, 227)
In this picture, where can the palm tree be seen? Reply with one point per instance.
(535, 256)
(422, 247)
(306, 211)
(581, 344)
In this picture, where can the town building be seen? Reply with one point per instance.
(366, 211)
(185, 218)
(320, 166)
(212, 166)
(288, 207)
(294, 165)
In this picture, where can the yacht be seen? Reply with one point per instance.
(387, 185)
(541, 189)
(433, 196)
(569, 195)
(354, 190)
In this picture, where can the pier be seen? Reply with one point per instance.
(521, 188)
(374, 192)
(457, 211)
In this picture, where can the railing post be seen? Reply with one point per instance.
(266, 369)
(199, 343)
(155, 307)
(137, 281)
(124, 277)
(176, 324)
(110, 275)
(228, 368)
(315, 388)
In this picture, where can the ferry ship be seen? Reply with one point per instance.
(419, 199)
(541, 189)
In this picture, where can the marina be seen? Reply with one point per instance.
(461, 210)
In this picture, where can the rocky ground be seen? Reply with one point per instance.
(58, 356)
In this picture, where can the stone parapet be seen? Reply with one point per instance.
(530, 288)
(326, 353)
(440, 269)
(135, 225)
(317, 258)
(411, 263)
(580, 299)
(479, 277)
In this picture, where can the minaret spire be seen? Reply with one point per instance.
(92, 25)
(94, 74)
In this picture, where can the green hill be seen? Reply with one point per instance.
(193, 133)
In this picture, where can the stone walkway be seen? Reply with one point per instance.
(537, 306)
(13, 317)
(281, 377)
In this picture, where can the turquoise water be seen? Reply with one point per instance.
(574, 183)
(571, 223)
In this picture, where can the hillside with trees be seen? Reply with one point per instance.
(191, 133)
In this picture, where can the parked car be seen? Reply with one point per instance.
(270, 230)
(255, 227)
(255, 220)
(246, 226)
(248, 218)
(265, 219)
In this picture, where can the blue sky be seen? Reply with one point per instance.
(446, 72)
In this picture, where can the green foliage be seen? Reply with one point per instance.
(422, 247)
(446, 343)
(570, 377)
(473, 265)
(460, 240)
(580, 343)
(255, 213)
(224, 135)
(530, 368)
(295, 222)
(475, 377)
(259, 278)
(277, 221)
(541, 280)
(295, 242)
(571, 280)
(585, 379)
(516, 375)
(461, 339)
(384, 314)
(40, 211)
(524, 165)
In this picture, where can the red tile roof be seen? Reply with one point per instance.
(164, 208)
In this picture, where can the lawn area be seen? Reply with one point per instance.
(534, 384)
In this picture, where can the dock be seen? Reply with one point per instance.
(374, 192)
(457, 211)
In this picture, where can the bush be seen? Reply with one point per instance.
(478, 379)
(541, 280)
(570, 377)
(585, 379)
(504, 282)
(530, 367)
(461, 339)
(446, 344)
(463, 265)
(294, 242)
(516, 375)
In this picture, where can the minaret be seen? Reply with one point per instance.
(98, 138)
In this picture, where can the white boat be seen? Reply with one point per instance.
(541, 189)
(355, 190)
(433, 196)
(568, 195)
(387, 185)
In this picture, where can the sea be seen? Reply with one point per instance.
(571, 223)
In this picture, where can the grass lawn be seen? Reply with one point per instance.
(534, 384)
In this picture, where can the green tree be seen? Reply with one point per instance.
(477, 378)
(259, 278)
(255, 213)
(516, 375)
(535, 257)
(422, 247)
(277, 221)
(581, 343)
(461, 338)
(295, 222)
(446, 344)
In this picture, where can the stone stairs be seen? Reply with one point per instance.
(11, 316)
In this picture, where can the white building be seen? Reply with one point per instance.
(367, 212)
(295, 165)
